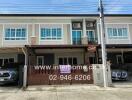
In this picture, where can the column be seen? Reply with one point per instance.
(25, 67)
(33, 36)
(84, 36)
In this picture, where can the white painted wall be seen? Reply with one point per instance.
(98, 75)
(79, 53)
(8, 55)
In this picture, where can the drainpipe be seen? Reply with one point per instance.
(25, 70)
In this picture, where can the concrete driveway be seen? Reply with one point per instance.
(75, 92)
(9, 89)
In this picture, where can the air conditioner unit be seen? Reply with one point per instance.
(90, 24)
(77, 25)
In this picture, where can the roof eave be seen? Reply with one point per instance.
(65, 15)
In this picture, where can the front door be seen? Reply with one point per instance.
(48, 59)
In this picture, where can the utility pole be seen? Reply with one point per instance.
(103, 42)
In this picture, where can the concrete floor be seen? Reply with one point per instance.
(75, 92)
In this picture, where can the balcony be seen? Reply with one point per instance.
(92, 41)
(76, 41)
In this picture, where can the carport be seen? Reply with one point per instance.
(40, 77)
(121, 57)
(13, 56)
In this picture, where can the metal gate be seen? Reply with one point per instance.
(55, 77)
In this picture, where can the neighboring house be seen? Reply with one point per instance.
(118, 39)
(62, 40)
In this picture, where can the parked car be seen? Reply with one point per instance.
(118, 74)
(9, 73)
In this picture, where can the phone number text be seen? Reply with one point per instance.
(70, 77)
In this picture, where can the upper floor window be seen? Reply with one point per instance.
(51, 33)
(76, 36)
(90, 35)
(15, 34)
(117, 33)
(76, 32)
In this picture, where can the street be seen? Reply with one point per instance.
(66, 93)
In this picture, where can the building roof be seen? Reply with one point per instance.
(64, 7)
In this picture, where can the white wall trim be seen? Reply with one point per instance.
(116, 23)
(34, 23)
(128, 29)
(106, 35)
(39, 34)
(71, 32)
(3, 35)
(84, 34)
(27, 33)
(98, 33)
(62, 29)
(33, 30)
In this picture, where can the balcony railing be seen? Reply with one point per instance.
(76, 41)
(92, 40)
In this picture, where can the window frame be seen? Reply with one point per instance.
(15, 38)
(52, 38)
(67, 59)
(93, 33)
(76, 35)
(3, 60)
(119, 57)
(42, 60)
(111, 36)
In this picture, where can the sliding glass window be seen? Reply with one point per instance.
(15, 34)
(51, 34)
(117, 33)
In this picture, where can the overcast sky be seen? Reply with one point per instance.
(65, 6)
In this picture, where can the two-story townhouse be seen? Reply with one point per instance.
(35, 39)
(118, 43)
(48, 40)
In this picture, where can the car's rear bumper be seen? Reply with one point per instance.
(119, 79)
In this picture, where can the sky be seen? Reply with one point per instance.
(64, 6)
